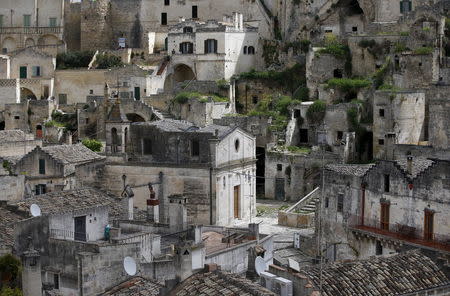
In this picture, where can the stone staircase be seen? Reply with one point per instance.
(301, 214)
(162, 114)
(310, 206)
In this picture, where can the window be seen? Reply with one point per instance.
(4, 50)
(386, 183)
(255, 100)
(245, 49)
(42, 166)
(148, 149)
(340, 203)
(337, 73)
(236, 145)
(125, 84)
(381, 112)
(62, 99)
(36, 71)
(166, 2)
(384, 215)
(378, 248)
(40, 189)
(187, 30)
(52, 22)
(56, 281)
(380, 141)
(26, 20)
(279, 167)
(1, 20)
(195, 146)
(194, 12)
(354, 29)
(327, 202)
(23, 72)
(251, 50)
(164, 18)
(297, 113)
(91, 91)
(87, 121)
(303, 135)
(210, 46)
(340, 135)
(186, 47)
(16, 117)
(405, 6)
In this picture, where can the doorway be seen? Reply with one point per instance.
(80, 228)
(428, 225)
(260, 170)
(137, 93)
(23, 72)
(236, 201)
(279, 188)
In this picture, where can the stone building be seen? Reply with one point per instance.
(36, 24)
(59, 167)
(410, 273)
(384, 208)
(17, 143)
(212, 50)
(213, 166)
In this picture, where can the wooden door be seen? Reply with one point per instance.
(428, 225)
(23, 72)
(384, 217)
(80, 228)
(137, 93)
(279, 189)
(236, 201)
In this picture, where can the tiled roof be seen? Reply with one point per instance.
(396, 275)
(223, 131)
(357, 170)
(137, 286)
(171, 125)
(419, 164)
(219, 283)
(14, 136)
(72, 154)
(72, 200)
(7, 221)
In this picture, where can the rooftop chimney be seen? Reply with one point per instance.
(409, 164)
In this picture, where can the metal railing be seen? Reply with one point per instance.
(30, 30)
(399, 231)
(304, 201)
(69, 235)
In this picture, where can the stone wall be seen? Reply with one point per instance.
(12, 188)
(72, 25)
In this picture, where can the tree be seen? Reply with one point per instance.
(93, 144)
(10, 269)
(7, 291)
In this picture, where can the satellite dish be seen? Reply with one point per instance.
(129, 265)
(260, 265)
(35, 210)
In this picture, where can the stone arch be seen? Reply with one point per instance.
(114, 140)
(26, 94)
(134, 117)
(48, 40)
(9, 44)
(183, 72)
(29, 42)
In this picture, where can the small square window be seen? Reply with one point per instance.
(91, 91)
(255, 99)
(52, 22)
(166, 2)
(380, 141)
(16, 117)
(420, 64)
(354, 29)
(279, 167)
(340, 135)
(381, 112)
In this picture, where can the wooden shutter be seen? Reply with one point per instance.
(384, 217)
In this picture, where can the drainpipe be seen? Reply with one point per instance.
(363, 201)
(210, 196)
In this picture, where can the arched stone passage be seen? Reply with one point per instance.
(26, 94)
(48, 40)
(29, 42)
(9, 44)
(182, 73)
(133, 117)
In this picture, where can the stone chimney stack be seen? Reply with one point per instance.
(409, 164)
(177, 212)
(236, 20)
(152, 206)
(31, 274)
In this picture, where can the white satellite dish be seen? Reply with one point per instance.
(35, 210)
(260, 265)
(129, 265)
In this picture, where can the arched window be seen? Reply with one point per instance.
(245, 49)
(187, 30)
(186, 47)
(114, 140)
(210, 46)
(251, 50)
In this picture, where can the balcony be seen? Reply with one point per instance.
(31, 30)
(69, 235)
(404, 233)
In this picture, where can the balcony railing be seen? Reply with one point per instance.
(402, 232)
(68, 234)
(31, 30)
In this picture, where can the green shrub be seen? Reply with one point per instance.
(364, 43)
(400, 47)
(10, 269)
(93, 144)
(335, 48)
(296, 149)
(423, 50)
(404, 34)
(348, 84)
(183, 97)
(107, 61)
(66, 120)
(301, 94)
(379, 75)
(222, 84)
(74, 59)
(7, 291)
(316, 112)
(53, 123)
